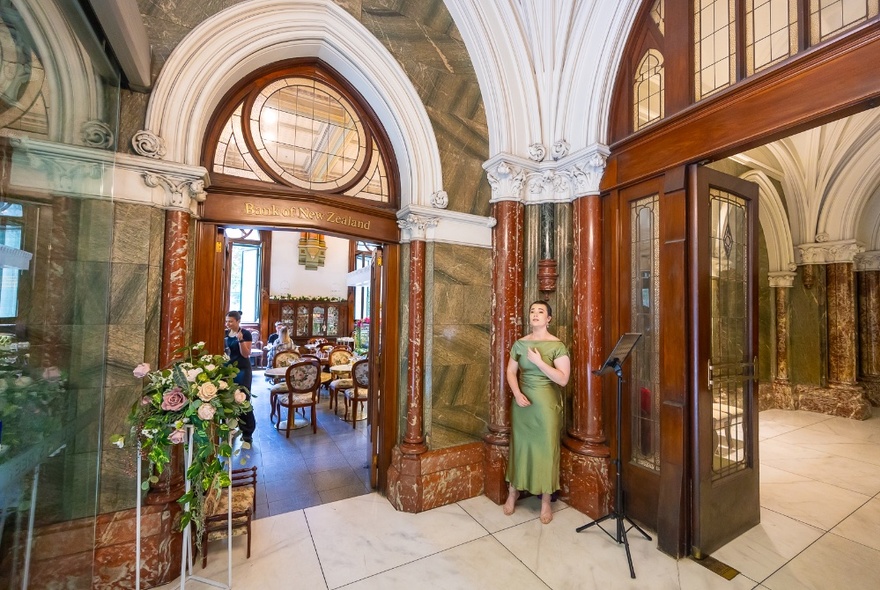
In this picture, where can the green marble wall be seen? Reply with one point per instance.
(135, 271)
(420, 34)
(808, 325)
(458, 318)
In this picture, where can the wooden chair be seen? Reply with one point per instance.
(256, 348)
(340, 355)
(359, 393)
(303, 380)
(244, 507)
(285, 358)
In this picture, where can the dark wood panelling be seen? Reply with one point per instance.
(208, 315)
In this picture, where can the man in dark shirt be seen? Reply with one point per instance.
(274, 337)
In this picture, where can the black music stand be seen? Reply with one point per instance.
(618, 356)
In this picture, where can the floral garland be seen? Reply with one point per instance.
(196, 391)
(289, 297)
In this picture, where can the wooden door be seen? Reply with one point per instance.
(377, 296)
(723, 286)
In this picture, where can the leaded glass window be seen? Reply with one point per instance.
(648, 90)
(645, 319)
(714, 46)
(658, 12)
(771, 32)
(830, 17)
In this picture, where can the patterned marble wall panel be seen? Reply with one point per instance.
(807, 350)
(403, 344)
(459, 363)
(766, 314)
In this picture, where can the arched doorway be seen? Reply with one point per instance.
(678, 107)
(294, 147)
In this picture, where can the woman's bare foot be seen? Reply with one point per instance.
(546, 511)
(510, 505)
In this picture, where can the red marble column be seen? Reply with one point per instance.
(414, 436)
(507, 295)
(172, 334)
(587, 435)
(778, 393)
(841, 298)
(869, 334)
(781, 333)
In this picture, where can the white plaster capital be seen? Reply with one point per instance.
(440, 199)
(829, 252)
(868, 260)
(417, 227)
(506, 179)
(560, 149)
(781, 279)
(537, 152)
(450, 227)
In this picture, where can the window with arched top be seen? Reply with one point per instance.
(681, 53)
(300, 127)
(648, 90)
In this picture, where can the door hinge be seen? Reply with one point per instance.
(710, 375)
(375, 461)
(218, 246)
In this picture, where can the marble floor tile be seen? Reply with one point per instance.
(862, 430)
(489, 514)
(693, 575)
(849, 474)
(798, 418)
(461, 567)
(811, 502)
(831, 563)
(834, 444)
(768, 546)
(863, 525)
(363, 536)
(768, 429)
(775, 449)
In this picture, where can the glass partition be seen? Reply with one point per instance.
(58, 124)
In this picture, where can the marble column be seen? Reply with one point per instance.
(779, 394)
(414, 436)
(868, 273)
(507, 295)
(585, 461)
(174, 278)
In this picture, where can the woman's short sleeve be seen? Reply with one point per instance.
(515, 352)
(246, 336)
(559, 351)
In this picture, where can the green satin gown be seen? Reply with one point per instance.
(534, 444)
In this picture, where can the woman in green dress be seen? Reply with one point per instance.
(543, 365)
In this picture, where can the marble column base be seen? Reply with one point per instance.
(872, 390)
(495, 459)
(776, 395)
(846, 401)
(586, 483)
(435, 478)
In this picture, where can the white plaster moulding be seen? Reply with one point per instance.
(451, 227)
(46, 167)
(784, 279)
(867, 261)
(831, 252)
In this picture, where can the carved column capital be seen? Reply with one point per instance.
(587, 170)
(180, 193)
(507, 180)
(784, 279)
(868, 260)
(440, 199)
(416, 227)
(829, 252)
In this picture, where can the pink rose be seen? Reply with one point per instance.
(177, 437)
(173, 400)
(239, 396)
(141, 370)
(206, 411)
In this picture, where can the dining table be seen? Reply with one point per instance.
(298, 421)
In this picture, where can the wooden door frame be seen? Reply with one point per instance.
(207, 327)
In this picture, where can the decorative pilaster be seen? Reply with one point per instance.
(843, 396)
(414, 437)
(175, 269)
(868, 274)
(780, 391)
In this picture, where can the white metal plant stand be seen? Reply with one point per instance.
(186, 556)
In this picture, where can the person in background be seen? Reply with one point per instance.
(543, 366)
(274, 337)
(238, 343)
(283, 343)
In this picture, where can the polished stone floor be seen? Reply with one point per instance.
(820, 529)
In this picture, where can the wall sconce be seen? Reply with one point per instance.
(312, 249)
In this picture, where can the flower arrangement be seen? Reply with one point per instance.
(196, 391)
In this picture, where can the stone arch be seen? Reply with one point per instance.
(249, 35)
(774, 222)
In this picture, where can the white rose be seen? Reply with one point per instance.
(222, 385)
(192, 374)
(207, 391)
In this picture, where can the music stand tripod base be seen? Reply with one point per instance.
(621, 352)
